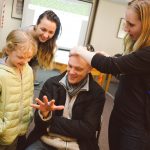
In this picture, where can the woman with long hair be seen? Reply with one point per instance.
(129, 125)
(45, 32)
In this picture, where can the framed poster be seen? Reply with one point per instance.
(17, 9)
(121, 33)
(2, 12)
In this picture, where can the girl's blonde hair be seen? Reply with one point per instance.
(22, 39)
(142, 8)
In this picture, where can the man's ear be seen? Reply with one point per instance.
(90, 68)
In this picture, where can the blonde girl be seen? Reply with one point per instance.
(16, 88)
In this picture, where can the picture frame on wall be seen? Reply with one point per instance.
(17, 9)
(2, 12)
(121, 33)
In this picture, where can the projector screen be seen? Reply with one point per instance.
(74, 16)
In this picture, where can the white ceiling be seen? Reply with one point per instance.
(120, 1)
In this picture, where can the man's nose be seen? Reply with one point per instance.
(72, 70)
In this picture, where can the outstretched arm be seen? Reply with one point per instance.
(84, 53)
(46, 106)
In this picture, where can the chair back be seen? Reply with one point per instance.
(102, 78)
(1, 54)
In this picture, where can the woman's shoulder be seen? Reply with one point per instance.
(145, 49)
(144, 52)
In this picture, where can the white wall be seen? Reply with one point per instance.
(104, 36)
(9, 23)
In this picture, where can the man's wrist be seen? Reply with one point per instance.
(45, 114)
(45, 117)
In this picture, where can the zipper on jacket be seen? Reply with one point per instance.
(21, 103)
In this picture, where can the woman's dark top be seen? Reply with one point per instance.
(132, 99)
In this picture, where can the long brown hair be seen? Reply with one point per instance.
(142, 8)
(46, 50)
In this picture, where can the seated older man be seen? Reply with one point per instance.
(75, 126)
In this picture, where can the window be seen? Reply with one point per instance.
(74, 16)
